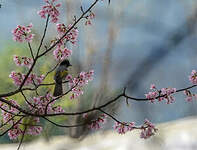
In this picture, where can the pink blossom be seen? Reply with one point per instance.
(23, 61)
(39, 79)
(50, 9)
(76, 84)
(148, 129)
(61, 54)
(68, 77)
(189, 95)
(168, 91)
(168, 94)
(152, 86)
(96, 124)
(18, 78)
(90, 17)
(189, 98)
(88, 22)
(152, 95)
(71, 35)
(15, 132)
(34, 130)
(195, 96)
(58, 109)
(85, 115)
(164, 93)
(131, 126)
(121, 128)
(6, 115)
(42, 104)
(22, 33)
(193, 77)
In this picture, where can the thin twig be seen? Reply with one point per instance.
(31, 51)
(26, 99)
(64, 126)
(45, 30)
(21, 141)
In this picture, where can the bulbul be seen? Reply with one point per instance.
(60, 74)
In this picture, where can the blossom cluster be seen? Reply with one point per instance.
(50, 9)
(61, 52)
(38, 105)
(89, 17)
(23, 33)
(193, 77)
(23, 61)
(43, 104)
(123, 127)
(18, 78)
(71, 36)
(97, 124)
(189, 95)
(147, 129)
(34, 129)
(163, 94)
(76, 84)
(9, 119)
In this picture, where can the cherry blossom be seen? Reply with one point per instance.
(22, 33)
(7, 117)
(50, 9)
(147, 130)
(123, 127)
(15, 132)
(18, 78)
(152, 86)
(23, 61)
(34, 130)
(189, 95)
(42, 104)
(61, 54)
(164, 93)
(193, 77)
(71, 35)
(97, 124)
(77, 83)
(168, 94)
(90, 17)
(152, 95)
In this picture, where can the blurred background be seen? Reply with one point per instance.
(131, 43)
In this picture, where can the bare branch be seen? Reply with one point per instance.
(31, 51)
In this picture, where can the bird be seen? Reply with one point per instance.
(60, 73)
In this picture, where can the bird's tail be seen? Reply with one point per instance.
(58, 89)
